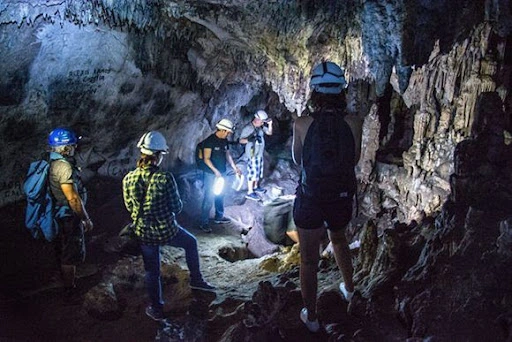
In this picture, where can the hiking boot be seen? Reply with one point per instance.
(155, 314)
(260, 190)
(222, 220)
(205, 228)
(312, 326)
(252, 196)
(346, 294)
(202, 286)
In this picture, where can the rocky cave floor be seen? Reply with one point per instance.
(29, 312)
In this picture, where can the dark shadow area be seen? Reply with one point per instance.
(445, 21)
(396, 127)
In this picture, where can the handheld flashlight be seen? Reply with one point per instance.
(218, 186)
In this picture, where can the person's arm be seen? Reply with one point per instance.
(128, 203)
(296, 145)
(244, 136)
(175, 202)
(300, 128)
(232, 163)
(207, 154)
(76, 204)
(267, 129)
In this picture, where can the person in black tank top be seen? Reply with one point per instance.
(327, 147)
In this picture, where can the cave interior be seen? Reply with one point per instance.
(432, 234)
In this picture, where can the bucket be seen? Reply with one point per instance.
(238, 183)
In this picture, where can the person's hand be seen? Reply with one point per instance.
(217, 173)
(87, 224)
(238, 171)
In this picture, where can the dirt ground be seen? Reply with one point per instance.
(32, 310)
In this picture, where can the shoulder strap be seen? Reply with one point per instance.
(141, 205)
(56, 156)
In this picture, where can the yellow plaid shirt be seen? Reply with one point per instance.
(157, 222)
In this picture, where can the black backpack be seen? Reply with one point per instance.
(328, 159)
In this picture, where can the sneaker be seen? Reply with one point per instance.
(252, 196)
(312, 326)
(205, 228)
(348, 295)
(154, 314)
(202, 286)
(260, 190)
(222, 220)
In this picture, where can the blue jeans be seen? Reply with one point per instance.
(209, 197)
(151, 257)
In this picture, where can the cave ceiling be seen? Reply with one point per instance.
(273, 43)
(112, 69)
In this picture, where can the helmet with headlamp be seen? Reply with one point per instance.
(62, 137)
(328, 78)
(153, 142)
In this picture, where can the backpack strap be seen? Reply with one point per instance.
(141, 202)
(55, 156)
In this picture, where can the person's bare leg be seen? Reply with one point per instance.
(293, 235)
(250, 187)
(309, 257)
(342, 255)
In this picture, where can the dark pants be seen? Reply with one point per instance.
(70, 243)
(151, 257)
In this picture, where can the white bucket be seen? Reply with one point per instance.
(238, 182)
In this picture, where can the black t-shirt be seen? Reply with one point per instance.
(219, 148)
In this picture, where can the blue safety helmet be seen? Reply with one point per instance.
(62, 137)
(327, 78)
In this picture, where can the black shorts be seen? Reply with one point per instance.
(71, 241)
(311, 214)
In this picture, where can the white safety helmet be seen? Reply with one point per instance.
(225, 124)
(261, 114)
(153, 142)
(328, 78)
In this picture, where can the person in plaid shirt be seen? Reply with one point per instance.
(154, 219)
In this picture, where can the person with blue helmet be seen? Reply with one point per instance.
(327, 185)
(70, 198)
(62, 137)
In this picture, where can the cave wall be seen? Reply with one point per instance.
(441, 100)
(112, 70)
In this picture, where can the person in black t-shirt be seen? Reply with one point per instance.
(215, 156)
